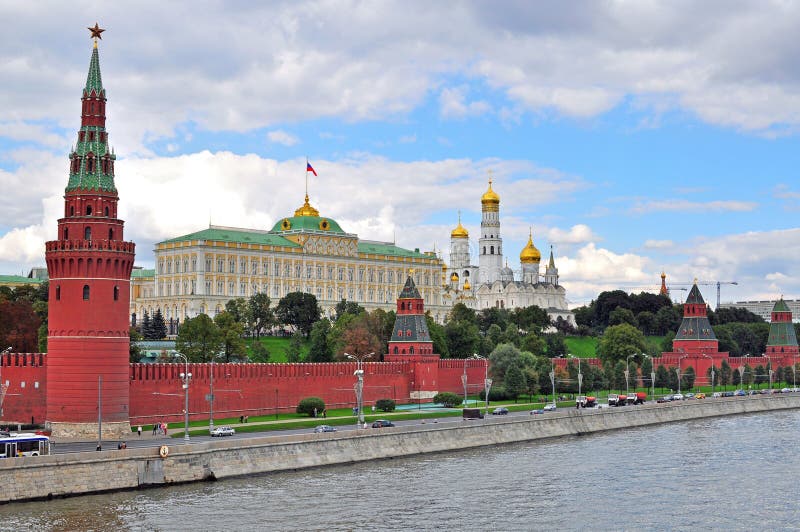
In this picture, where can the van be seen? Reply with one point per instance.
(472, 413)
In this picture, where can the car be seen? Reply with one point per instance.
(537, 411)
(222, 431)
(786, 390)
(500, 411)
(700, 395)
(678, 397)
(717, 394)
(380, 423)
(549, 407)
(740, 393)
(324, 428)
(728, 394)
(690, 395)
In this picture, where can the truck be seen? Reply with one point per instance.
(472, 413)
(617, 400)
(636, 398)
(585, 401)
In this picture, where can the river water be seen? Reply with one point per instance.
(730, 473)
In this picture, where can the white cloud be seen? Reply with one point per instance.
(680, 205)
(658, 244)
(282, 137)
(452, 104)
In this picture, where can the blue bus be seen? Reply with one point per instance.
(14, 444)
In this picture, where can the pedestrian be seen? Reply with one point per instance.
(165, 429)
(155, 428)
(241, 419)
(246, 418)
(139, 430)
(315, 411)
(325, 413)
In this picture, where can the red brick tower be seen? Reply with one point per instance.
(411, 342)
(782, 340)
(90, 269)
(695, 334)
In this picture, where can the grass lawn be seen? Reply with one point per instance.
(582, 346)
(277, 346)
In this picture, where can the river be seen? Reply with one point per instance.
(728, 473)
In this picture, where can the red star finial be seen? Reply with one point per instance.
(96, 31)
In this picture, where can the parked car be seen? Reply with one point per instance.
(786, 390)
(380, 423)
(549, 407)
(689, 395)
(678, 397)
(717, 394)
(740, 393)
(728, 394)
(700, 395)
(500, 411)
(324, 428)
(223, 431)
(537, 411)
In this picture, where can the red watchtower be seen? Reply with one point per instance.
(411, 342)
(90, 269)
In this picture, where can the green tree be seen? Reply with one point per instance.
(134, 351)
(359, 338)
(725, 371)
(310, 406)
(233, 346)
(260, 352)
(556, 345)
(448, 399)
(462, 338)
(662, 377)
(503, 357)
(438, 337)
(159, 326)
(261, 315)
(460, 312)
(492, 316)
(147, 326)
(668, 319)
(622, 315)
(319, 350)
(514, 382)
(348, 307)
(619, 341)
(294, 353)
(199, 339)
(299, 310)
(532, 318)
(646, 322)
(237, 308)
(688, 378)
(538, 346)
(666, 343)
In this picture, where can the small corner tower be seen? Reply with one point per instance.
(695, 334)
(89, 265)
(782, 338)
(551, 272)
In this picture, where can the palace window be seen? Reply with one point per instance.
(287, 270)
(360, 274)
(87, 233)
(309, 270)
(254, 267)
(230, 288)
(219, 265)
(220, 288)
(380, 276)
(350, 274)
(330, 293)
(232, 266)
(297, 271)
(86, 292)
(208, 265)
(242, 266)
(341, 274)
(319, 272)
(330, 273)
(116, 293)
(58, 293)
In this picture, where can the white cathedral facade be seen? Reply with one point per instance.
(492, 283)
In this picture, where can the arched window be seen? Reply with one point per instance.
(88, 210)
(411, 350)
(66, 233)
(87, 233)
(86, 292)
(395, 350)
(116, 293)
(72, 210)
(58, 293)
(106, 212)
(484, 250)
(491, 248)
(111, 234)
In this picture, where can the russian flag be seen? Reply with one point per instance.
(309, 168)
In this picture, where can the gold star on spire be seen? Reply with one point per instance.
(96, 31)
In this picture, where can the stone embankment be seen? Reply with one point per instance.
(81, 473)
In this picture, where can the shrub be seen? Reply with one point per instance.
(307, 406)
(497, 393)
(448, 399)
(385, 405)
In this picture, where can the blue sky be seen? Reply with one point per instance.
(632, 137)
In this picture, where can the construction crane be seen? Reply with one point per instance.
(718, 284)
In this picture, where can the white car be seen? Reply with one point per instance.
(677, 397)
(549, 407)
(222, 431)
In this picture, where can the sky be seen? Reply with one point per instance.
(633, 137)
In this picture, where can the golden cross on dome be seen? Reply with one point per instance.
(96, 31)
(410, 271)
(490, 176)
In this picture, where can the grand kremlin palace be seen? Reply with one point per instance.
(199, 272)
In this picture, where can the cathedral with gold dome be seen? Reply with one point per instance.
(200, 272)
(492, 283)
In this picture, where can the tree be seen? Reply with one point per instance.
(320, 351)
(437, 336)
(688, 378)
(448, 399)
(348, 307)
(199, 339)
(506, 355)
(233, 345)
(260, 353)
(19, 326)
(724, 373)
(538, 346)
(619, 341)
(359, 339)
(646, 321)
(556, 345)
(300, 310)
(492, 316)
(147, 326)
(311, 406)
(622, 315)
(159, 327)
(514, 381)
(134, 351)
(295, 351)
(238, 310)
(462, 338)
(385, 405)
(261, 316)
(668, 319)
(662, 377)
(532, 318)
(460, 312)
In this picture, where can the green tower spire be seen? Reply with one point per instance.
(94, 81)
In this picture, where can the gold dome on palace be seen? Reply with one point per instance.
(529, 253)
(467, 286)
(490, 197)
(459, 232)
(306, 209)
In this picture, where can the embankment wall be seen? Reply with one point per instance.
(81, 473)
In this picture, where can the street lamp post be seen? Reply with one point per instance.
(359, 386)
(487, 382)
(628, 372)
(713, 373)
(211, 400)
(464, 382)
(185, 378)
(652, 375)
(553, 380)
(580, 376)
(678, 371)
(794, 374)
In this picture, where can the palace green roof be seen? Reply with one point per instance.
(385, 248)
(18, 279)
(141, 273)
(235, 235)
(307, 223)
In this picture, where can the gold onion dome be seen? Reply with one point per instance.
(490, 197)
(467, 286)
(459, 232)
(529, 253)
(454, 277)
(306, 209)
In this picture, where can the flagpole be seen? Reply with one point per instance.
(306, 177)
